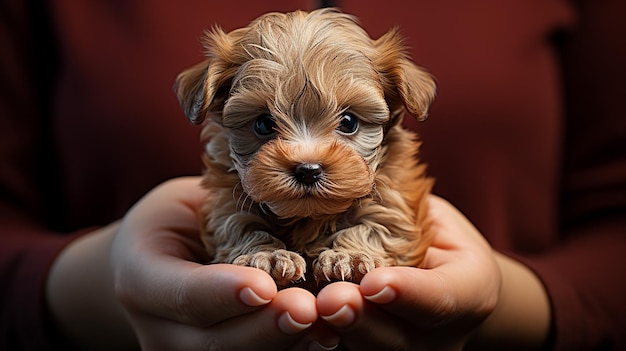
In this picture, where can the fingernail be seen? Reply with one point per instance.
(342, 318)
(290, 327)
(250, 298)
(386, 295)
(315, 346)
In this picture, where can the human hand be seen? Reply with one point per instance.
(175, 302)
(406, 308)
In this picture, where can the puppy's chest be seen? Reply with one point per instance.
(307, 234)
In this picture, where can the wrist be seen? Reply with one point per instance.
(80, 297)
(521, 319)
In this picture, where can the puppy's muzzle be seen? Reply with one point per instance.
(308, 173)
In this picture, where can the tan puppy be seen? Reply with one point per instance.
(305, 158)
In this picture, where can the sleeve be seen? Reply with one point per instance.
(58, 61)
(27, 248)
(25, 257)
(584, 276)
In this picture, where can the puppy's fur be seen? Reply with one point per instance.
(306, 161)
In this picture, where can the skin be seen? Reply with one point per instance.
(443, 306)
(142, 279)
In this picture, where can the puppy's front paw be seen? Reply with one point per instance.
(336, 265)
(284, 266)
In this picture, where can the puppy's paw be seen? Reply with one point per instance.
(284, 266)
(342, 266)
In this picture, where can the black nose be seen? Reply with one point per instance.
(308, 173)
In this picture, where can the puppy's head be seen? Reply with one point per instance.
(307, 98)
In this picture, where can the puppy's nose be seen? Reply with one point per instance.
(308, 173)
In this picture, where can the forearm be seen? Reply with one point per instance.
(80, 295)
(521, 320)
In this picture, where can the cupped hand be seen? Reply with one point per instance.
(177, 303)
(435, 307)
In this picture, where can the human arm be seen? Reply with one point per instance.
(168, 298)
(80, 296)
(176, 302)
(522, 317)
(578, 253)
(441, 306)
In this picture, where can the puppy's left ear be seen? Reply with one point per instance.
(405, 84)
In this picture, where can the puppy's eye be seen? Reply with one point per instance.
(348, 124)
(264, 126)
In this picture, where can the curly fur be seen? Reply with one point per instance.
(306, 70)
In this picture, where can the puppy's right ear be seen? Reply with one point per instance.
(204, 87)
(190, 88)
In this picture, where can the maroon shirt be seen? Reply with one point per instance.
(527, 136)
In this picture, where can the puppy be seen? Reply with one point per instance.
(306, 161)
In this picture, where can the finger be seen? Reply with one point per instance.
(338, 304)
(410, 293)
(165, 221)
(449, 224)
(187, 190)
(282, 323)
(361, 325)
(278, 326)
(429, 298)
(462, 274)
(320, 337)
(202, 295)
(152, 267)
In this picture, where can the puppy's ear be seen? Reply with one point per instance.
(204, 87)
(405, 84)
(190, 88)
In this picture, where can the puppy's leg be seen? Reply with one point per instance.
(383, 237)
(286, 267)
(242, 240)
(355, 252)
(232, 231)
(339, 265)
